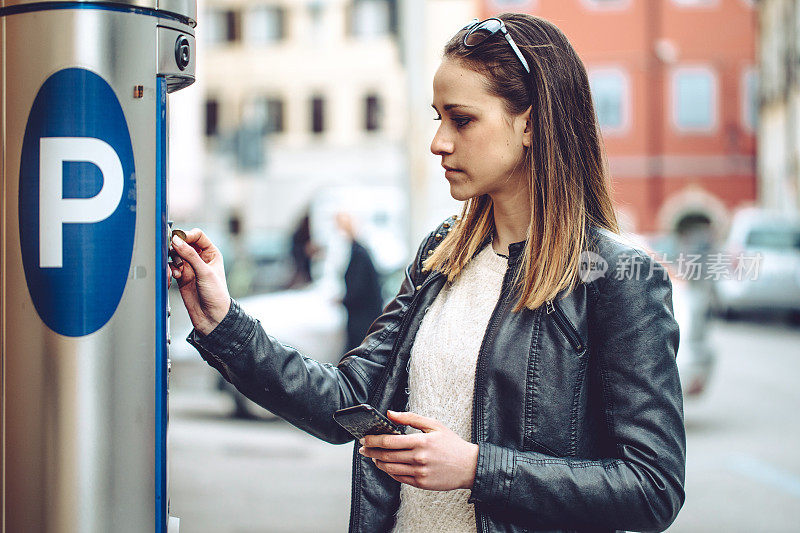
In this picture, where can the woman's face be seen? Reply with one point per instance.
(481, 145)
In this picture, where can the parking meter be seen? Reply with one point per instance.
(83, 302)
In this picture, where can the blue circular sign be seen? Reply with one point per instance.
(77, 202)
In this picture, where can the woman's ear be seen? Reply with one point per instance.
(527, 133)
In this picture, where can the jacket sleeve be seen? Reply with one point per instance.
(634, 338)
(297, 388)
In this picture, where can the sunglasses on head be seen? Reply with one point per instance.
(480, 31)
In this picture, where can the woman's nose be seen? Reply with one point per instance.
(440, 145)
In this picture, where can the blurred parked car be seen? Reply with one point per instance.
(271, 262)
(763, 248)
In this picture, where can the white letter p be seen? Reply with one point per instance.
(54, 209)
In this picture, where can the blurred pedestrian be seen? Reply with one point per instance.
(302, 251)
(362, 294)
(534, 398)
(695, 245)
(240, 270)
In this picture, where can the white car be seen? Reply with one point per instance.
(763, 250)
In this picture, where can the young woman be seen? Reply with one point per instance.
(537, 394)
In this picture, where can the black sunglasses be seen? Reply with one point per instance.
(480, 31)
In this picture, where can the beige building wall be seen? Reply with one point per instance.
(311, 59)
(319, 55)
(779, 117)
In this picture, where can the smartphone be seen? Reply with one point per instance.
(363, 419)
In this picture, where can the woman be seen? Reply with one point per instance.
(536, 398)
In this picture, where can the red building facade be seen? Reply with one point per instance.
(675, 89)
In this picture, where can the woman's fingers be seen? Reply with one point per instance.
(198, 239)
(398, 469)
(393, 442)
(408, 480)
(394, 456)
(189, 254)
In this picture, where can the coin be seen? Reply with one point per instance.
(176, 259)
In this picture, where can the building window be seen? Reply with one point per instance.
(274, 115)
(694, 99)
(222, 26)
(231, 26)
(316, 12)
(611, 98)
(370, 18)
(317, 114)
(372, 113)
(265, 25)
(750, 99)
(600, 5)
(265, 115)
(212, 117)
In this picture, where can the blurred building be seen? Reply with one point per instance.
(426, 26)
(675, 89)
(296, 96)
(779, 126)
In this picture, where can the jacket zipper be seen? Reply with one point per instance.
(562, 323)
(356, 485)
(402, 331)
(480, 370)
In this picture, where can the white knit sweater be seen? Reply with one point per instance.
(441, 383)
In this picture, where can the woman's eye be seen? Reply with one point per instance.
(460, 121)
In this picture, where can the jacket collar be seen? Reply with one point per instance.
(515, 250)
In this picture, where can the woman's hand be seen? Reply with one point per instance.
(436, 459)
(201, 280)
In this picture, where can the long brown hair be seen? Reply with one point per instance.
(566, 162)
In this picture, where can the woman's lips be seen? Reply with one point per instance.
(450, 172)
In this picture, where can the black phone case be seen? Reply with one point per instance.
(362, 420)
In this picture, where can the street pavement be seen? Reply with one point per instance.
(743, 468)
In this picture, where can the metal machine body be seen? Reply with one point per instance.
(83, 303)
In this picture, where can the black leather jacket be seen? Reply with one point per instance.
(578, 411)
